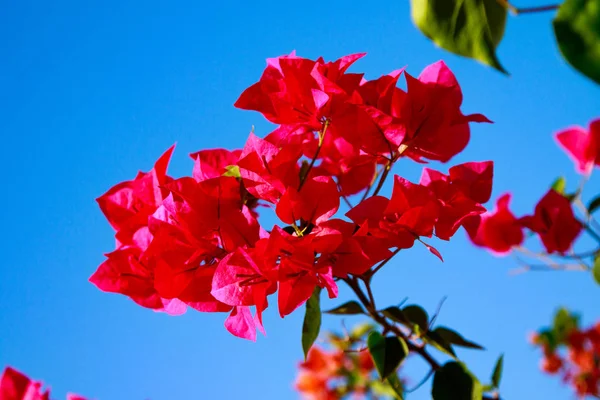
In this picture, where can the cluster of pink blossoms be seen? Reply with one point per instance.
(16, 386)
(553, 219)
(196, 241)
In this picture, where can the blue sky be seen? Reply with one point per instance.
(91, 92)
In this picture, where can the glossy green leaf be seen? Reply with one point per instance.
(497, 374)
(387, 352)
(396, 315)
(594, 205)
(312, 321)
(455, 382)
(349, 308)
(418, 316)
(596, 269)
(470, 28)
(560, 184)
(577, 31)
(455, 338)
(437, 341)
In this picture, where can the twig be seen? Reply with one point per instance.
(437, 311)
(421, 382)
(370, 274)
(314, 159)
(527, 10)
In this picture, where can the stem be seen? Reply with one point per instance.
(527, 10)
(592, 232)
(386, 171)
(347, 202)
(369, 188)
(370, 293)
(314, 159)
(381, 264)
(421, 383)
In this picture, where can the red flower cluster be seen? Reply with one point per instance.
(16, 386)
(580, 365)
(325, 375)
(553, 221)
(196, 241)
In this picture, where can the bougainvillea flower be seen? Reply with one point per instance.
(384, 103)
(499, 230)
(240, 323)
(353, 169)
(554, 221)
(242, 278)
(582, 146)
(16, 386)
(316, 201)
(127, 271)
(436, 128)
(411, 212)
(286, 93)
(128, 205)
(213, 209)
(294, 90)
(267, 170)
(213, 163)
(346, 249)
(298, 270)
(459, 194)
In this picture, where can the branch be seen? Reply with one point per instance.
(381, 320)
(387, 327)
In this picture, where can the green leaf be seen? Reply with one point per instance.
(455, 382)
(560, 184)
(564, 322)
(396, 385)
(387, 352)
(396, 315)
(455, 338)
(497, 374)
(349, 308)
(312, 321)
(390, 388)
(577, 31)
(470, 28)
(596, 270)
(418, 316)
(437, 341)
(594, 204)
